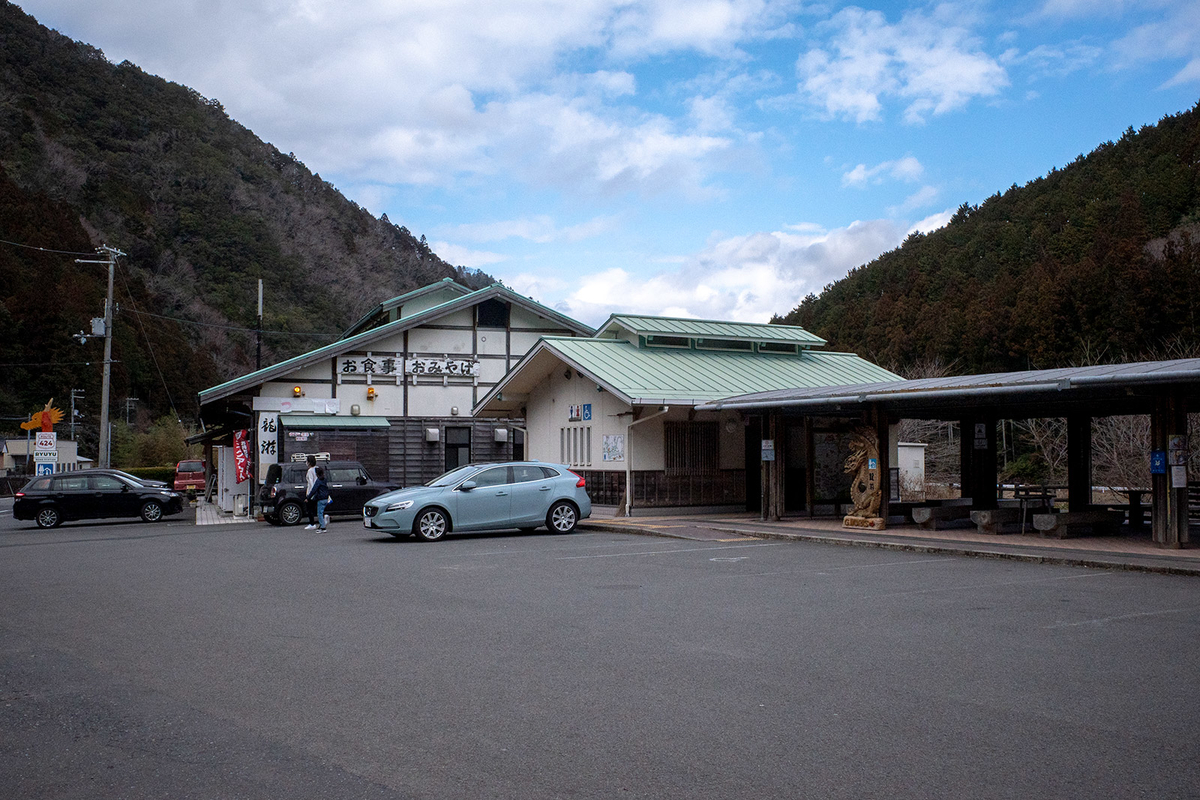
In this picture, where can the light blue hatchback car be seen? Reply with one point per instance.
(517, 494)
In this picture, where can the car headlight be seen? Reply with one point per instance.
(403, 504)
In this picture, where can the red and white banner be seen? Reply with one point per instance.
(241, 456)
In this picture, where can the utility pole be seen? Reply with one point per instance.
(258, 356)
(105, 456)
(76, 394)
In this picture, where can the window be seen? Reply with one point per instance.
(77, 483)
(523, 473)
(724, 344)
(342, 475)
(497, 476)
(776, 347)
(668, 341)
(492, 314)
(691, 446)
(106, 483)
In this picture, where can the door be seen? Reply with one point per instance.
(73, 498)
(458, 448)
(531, 494)
(113, 497)
(348, 489)
(489, 504)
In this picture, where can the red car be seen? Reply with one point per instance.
(189, 475)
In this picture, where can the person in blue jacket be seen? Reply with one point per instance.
(319, 494)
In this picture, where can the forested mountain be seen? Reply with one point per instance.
(98, 153)
(1098, 261)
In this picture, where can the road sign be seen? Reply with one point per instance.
(45, 442)
(45, 468)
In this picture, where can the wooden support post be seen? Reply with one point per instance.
(779, 466)
(983, 463)
(884, 443)
(1079, 462)
(1170, 503)
(810, 467)
(966, 455)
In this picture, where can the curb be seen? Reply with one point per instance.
(915, 547)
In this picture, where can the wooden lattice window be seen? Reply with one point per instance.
(691, 446)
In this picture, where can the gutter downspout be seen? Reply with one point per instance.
(629, 456)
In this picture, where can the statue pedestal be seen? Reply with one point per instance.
(868, 523)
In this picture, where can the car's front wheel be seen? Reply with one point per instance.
(48, 517)
(151, 511)
(290, 513)
(431, 525)
(562, 517)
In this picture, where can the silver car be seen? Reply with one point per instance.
(517, 494)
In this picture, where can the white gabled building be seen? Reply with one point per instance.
(396, 390)
(623, 408)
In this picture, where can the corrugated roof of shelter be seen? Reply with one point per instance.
(1183, 370)
(649, 376)
(718, 329)
(358, 341)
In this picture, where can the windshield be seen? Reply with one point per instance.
(453, 476)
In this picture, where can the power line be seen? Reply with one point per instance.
(46, 249)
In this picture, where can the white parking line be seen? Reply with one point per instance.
(1118, 618)
(669, 552)
(974, 586)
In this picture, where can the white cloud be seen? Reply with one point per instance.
(746, 278)
(905, 169)
(430, 92)
(1174, 37)
(540, 228)
(464, 257)
(921, 198)
(932, 222)
(932, 62)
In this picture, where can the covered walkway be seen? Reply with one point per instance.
(1162, 390)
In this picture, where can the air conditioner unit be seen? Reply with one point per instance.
(432, 434)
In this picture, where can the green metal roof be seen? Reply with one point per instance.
(314, 422)
(651, 376)
(360, 340)
(714, 329)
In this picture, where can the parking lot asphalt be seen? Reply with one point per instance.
(251, 661)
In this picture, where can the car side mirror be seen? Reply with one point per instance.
(467, 486)
(362, 481)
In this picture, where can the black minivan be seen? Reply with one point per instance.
(281, 497)
(93, 494)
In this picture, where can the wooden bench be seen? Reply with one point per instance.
(1093, 522)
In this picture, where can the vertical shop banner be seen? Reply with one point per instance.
(241, 456)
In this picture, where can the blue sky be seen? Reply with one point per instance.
(713, 158)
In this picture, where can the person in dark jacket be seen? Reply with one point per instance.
(319, 496)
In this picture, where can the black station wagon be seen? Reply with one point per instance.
(93, 494)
